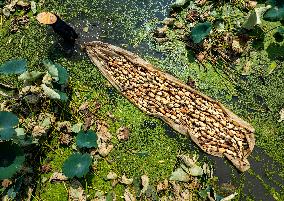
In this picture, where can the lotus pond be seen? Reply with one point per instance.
(67, 133)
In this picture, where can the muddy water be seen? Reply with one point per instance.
(116, 22)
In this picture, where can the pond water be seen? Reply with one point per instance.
(118, 22)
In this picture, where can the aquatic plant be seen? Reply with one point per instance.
(7, 123)
(37, 86)
(14, 66)
(11, 154)
(77, 165)
(87, 140)
(57, 72)
(200, 31)
(11, 159)
(273, 12)
(49, 83)
(276, 12)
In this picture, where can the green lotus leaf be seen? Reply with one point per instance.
(54, 93)
(204, 192)
(14, 66)
(21, 138)
(87, 140)
(59, 73)
(255, 17)
(274, 14)
(278, 3)
(200, 31)
(63, 96)
(11, 159)
(280, 31)
(30, 76)
(179, 3)
(7, 123)
(77, 165)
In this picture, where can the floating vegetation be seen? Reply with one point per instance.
(236, 58)
(210, 125)
(77, 165)
(200, 31)
(17, 143)
(87, 140)
(15, 66)
(12, 159)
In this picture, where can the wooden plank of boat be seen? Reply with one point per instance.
(214, 128)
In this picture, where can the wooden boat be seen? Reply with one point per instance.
(215, 129)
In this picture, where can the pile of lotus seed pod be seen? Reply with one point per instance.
(210, 125)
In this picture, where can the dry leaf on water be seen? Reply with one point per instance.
(88, 121)
(196, 171)
(84, 106)
(230, 197)
(180, 175)
(236, 46)
(76, 191)
(65, 139)
(6, 183)
(188, 161)
(99, 196)
(111, 176)
(186, 195)
(29, 193)
(38, 131)
(64, 126)
(110, 115)
(128, 196)
(58, 176)
(123, 133)
(176, 190)
(163, 185)
(281, 115)
(102, 131)
(46, 168)
(105, 149)
(125, 180)
(246, 68)
(89, 117)
(145, 183)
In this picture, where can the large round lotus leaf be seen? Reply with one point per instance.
(200, 31)
(14, 66)
(11, 159)
(278, 3)
(87, 140)
(77, 165)
(56, 71)
(274, 14)
(7, 123)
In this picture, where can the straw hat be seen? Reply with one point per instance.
(46, 18)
